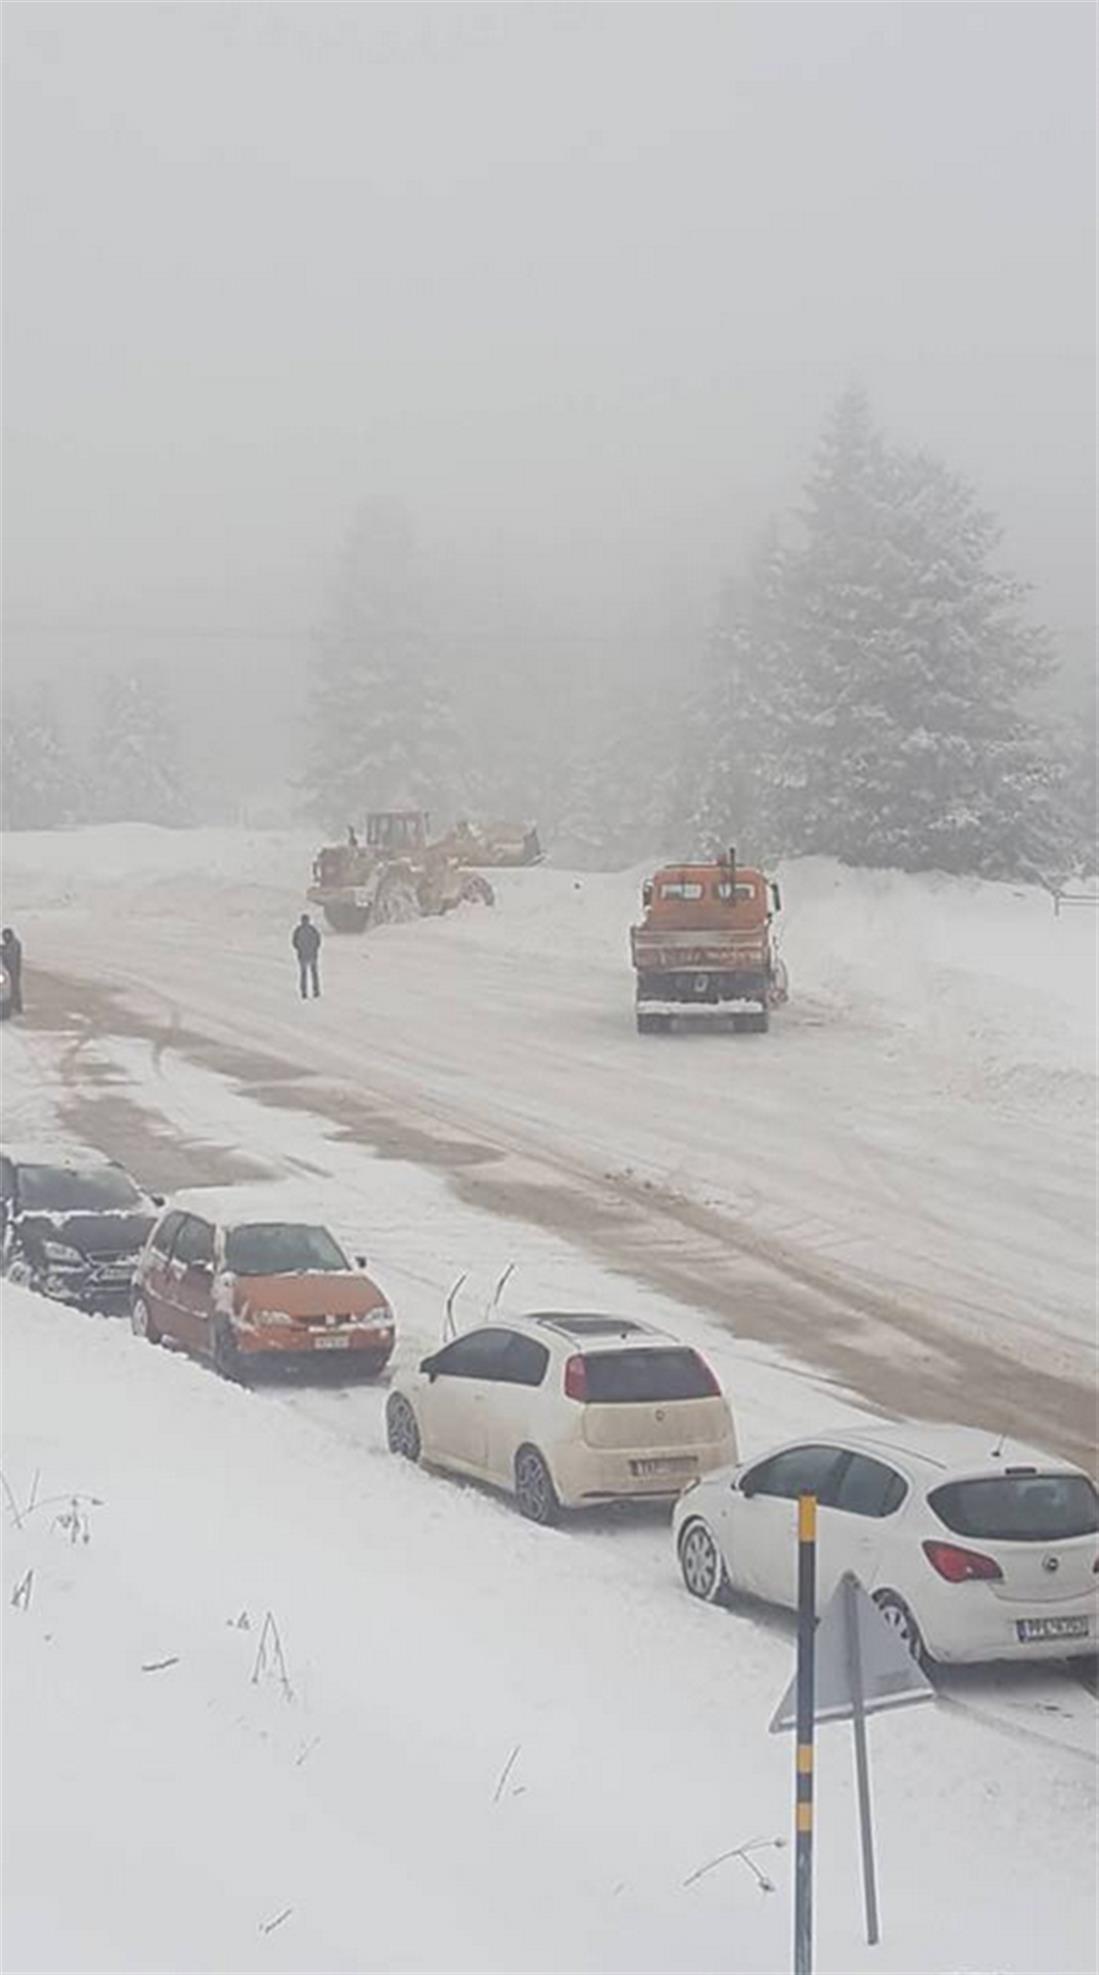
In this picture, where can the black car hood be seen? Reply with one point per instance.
(101, 1235)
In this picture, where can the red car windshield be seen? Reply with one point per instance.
(281, 1248)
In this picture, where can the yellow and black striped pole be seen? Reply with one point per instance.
(803, 1775)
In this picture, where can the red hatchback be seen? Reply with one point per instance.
(243, 1289)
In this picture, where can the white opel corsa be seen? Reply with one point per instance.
(973, 1549)
(564, 1411)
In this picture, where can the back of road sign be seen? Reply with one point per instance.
(890, 1677)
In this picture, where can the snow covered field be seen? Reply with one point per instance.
(910, 1148)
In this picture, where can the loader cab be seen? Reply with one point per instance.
(396, 832)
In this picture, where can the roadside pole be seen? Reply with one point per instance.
(803, 1773)
(862, 1768)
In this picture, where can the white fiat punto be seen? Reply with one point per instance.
(974, 1549)
(564, 1411)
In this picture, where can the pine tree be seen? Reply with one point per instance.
(383, 732)
(40, 788)
(875, 678)
(137, 770)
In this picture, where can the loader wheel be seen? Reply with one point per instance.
(347, 918)
(477, 890)
(396, 903)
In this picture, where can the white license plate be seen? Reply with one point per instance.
(671, 1464)
(1051, 1628)
(331, 1343)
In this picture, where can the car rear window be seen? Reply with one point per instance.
(1032, 1508)
(621, 1377)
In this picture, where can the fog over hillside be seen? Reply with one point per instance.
(571, 290)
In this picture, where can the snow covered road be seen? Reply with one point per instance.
(896, 1185)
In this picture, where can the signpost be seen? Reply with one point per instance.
(850, 1665)
(806, 1717)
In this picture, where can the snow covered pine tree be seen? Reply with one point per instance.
(136, 771)
(382, 731)
(874, 687)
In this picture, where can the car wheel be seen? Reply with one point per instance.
(534, 1489)
(900, 1620)
(702, 1564)
(227, 1357)
(401, 1431)
(141, 1322)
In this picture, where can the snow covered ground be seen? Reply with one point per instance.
(913, 1138)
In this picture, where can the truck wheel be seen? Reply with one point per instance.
(761, 1020)
(653, 1025)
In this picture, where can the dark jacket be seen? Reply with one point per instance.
(11, 953)
(306, 941)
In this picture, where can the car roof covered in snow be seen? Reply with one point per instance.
(934, 1451)
(80, 1157)
(600, 1329)
(253, 1201)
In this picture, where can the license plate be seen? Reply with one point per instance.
(1051, 1628)
(671, 1464)
(331, 1343)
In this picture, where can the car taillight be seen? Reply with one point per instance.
(576, 1379)
(957, 1565)
(712, 1389)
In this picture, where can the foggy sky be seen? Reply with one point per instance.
(575, 284)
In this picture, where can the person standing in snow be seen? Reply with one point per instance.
(306, 942)
(11, 953)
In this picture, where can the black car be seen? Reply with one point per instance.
(73, 1226)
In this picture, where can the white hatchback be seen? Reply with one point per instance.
(565, 1411)
(973, 1549)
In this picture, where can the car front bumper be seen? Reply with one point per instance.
(362, 1346)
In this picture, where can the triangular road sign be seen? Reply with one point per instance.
(890, 1677)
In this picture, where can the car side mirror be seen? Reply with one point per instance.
(360, 1261)
(157, 1199)
(428, 1365)
(776, 897)
(746, 1486)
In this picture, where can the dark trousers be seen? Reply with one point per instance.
(308, 976)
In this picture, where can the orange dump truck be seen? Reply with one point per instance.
(706, 946)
